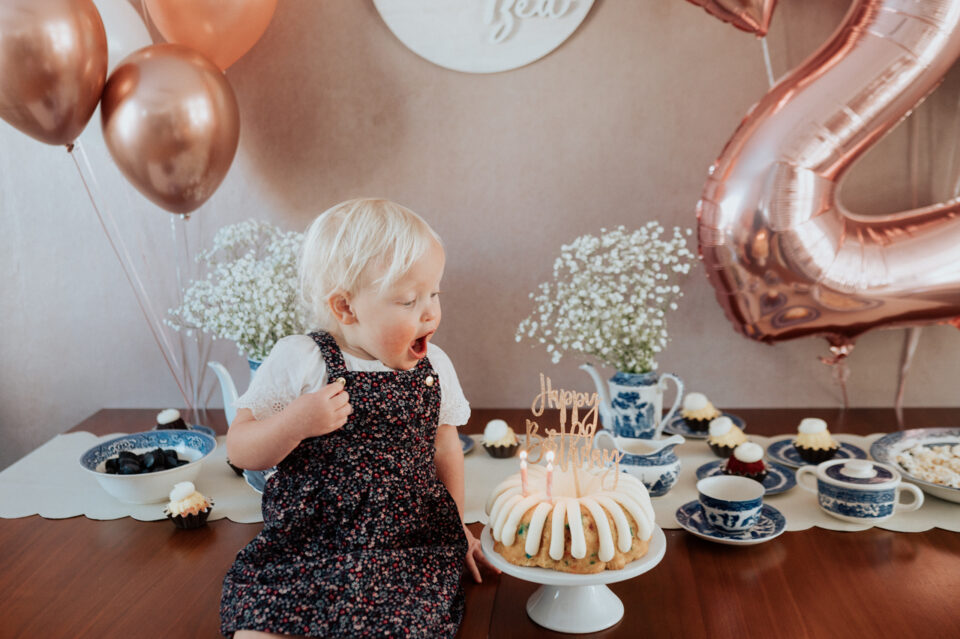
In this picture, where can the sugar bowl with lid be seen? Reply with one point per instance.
(859, 490)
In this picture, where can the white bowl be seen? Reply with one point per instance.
(149, 488)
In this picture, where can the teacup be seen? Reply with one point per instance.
(858, 490)
(730, 504)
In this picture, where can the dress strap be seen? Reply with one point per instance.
(332, 356)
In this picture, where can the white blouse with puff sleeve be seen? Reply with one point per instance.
(295, 367)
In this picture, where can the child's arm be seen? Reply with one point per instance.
(449, 462)
(258, 445)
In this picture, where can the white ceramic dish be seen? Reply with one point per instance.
(149, 488)
(886, 449)
(566, 602)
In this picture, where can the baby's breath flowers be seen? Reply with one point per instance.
(249, 295)
(610, 295)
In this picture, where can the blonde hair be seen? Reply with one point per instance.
(346, 240)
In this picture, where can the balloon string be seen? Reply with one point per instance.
(766, 60)
(143, 298)
(123, 265)
(841, 349)
(184, 359)
(910, 342)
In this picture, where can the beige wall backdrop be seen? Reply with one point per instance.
(617, 126)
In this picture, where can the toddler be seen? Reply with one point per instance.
(363, 533)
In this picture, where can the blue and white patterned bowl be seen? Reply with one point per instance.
(149, 488)
(889, 446)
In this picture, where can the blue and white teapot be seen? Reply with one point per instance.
(633, 404)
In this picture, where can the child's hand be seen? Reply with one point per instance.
(321, 412)
(476, 559)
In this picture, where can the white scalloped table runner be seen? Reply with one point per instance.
(49, 482)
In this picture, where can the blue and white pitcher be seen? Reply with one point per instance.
(633, 405)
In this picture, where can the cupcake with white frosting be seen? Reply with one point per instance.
(187, 508)
(746, 461)
(698, 412)
(814, 443)
(724, 436)
(499, 439)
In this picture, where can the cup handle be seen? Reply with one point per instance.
(676, 402)
(917, 501)
(807, 471)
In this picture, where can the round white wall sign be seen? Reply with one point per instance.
(482, 36)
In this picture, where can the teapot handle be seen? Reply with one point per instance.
(676, 401)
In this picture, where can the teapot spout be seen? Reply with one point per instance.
(606, 412)
(227, 388)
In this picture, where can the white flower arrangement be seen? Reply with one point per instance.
(249, 295)
(610, 296)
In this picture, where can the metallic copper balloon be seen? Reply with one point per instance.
(171, 122)
(222, 30)
(785, 257)
(53, 63)
(752, 16)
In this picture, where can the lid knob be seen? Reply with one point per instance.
(859, 468)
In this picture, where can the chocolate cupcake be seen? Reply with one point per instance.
(814, 443)
(724, 437)
(746, 461)
(698, 412)
(170, 419)
(499, 440)
(187, 508)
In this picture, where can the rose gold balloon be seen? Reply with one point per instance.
(222, 30)
(785, 257)
(752, 16)
(53, 63)
(171, 122)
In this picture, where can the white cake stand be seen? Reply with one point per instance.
(571, 603)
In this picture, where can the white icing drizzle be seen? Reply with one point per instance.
(535, 532)
(605, 552)
(556, 532)
(578, 543)
(624, 538)
(508, 536)
(504, 513)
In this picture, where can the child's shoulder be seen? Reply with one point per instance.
(295, 344)
(293, 348)
(438, 356)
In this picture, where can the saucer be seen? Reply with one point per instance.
(467, 442)
(779, 478)
(780, 449)
(678, 426)
(770, 525)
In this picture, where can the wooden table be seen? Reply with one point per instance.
(125, 578)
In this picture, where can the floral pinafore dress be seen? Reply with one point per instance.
(360, 537)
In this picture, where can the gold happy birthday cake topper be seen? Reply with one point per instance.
(572, 444)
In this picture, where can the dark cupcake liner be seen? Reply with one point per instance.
(698, 425)
(190, 522)
(754, 476)
(721, 451)
(502, 452)
(816, 455)
(237, 471)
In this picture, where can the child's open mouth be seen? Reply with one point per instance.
(419, 347)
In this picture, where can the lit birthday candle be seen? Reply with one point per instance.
(550, 475)
(523, 472)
